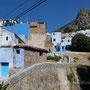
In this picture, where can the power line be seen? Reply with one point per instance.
(30, 8)
(15, 8)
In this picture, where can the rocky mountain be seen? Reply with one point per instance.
(82, 21)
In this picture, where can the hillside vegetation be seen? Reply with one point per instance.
(82, 21)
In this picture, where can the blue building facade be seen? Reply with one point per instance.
(10, 57)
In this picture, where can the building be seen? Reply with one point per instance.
(1, 22)
(49, 44)
(56, 40)
(32, 55)
(14, 53)
(64, 42)
(19, 28)
(10, 22)
(59, 42)
(85, 32)
(37, 34)
(9, 56)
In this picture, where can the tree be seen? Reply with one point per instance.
(80, 42)
(88, 44)
(3, 87)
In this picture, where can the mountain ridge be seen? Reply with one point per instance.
(82, 21)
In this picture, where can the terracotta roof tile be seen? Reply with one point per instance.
(30, 47)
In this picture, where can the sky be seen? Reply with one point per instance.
(55, 13)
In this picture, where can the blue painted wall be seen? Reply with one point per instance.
(10, 56)
(19, 29)
(6, 55)
(19, 58)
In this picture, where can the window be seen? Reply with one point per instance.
(62, 40)
(20, 41)
(6, 38)
(5, 64)
(40, 53)
(55, 46)
(18, 51)
(54, 40)
(68, 40)
(33, 26)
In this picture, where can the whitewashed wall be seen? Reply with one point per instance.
(11, 38)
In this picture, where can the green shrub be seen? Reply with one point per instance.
(50, 58)
(56, 58)
(70, 77)
(68, 47)
(3, 87)
(75, 59)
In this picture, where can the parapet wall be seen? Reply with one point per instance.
(43, 76)
(37, 40)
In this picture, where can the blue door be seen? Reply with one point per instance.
(63, 48)
(4, 69)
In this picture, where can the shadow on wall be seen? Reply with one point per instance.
(84, 77)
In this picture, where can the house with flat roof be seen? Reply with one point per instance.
(10, 57)
(56, 40)
(59, 42)
(14, 53)
(64, 42)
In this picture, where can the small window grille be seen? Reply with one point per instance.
(18, 51)
(68, 40)
(54, 40)
(62, 40)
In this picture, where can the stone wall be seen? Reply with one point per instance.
(37, 77)
(82, 56)
(49, 44)
(37, 28)
(37, 40)
(33, 57)
(43, 76)
(37, 34)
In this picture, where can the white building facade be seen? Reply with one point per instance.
(59, 43)
(64, 42)
(56, 40)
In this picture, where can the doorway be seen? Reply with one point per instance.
(4, 69)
